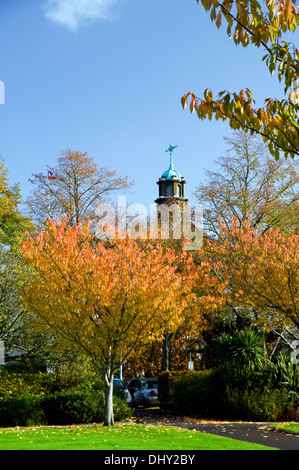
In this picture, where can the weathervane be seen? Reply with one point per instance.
(170, 150)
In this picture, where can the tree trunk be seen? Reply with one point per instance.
(166, 352)
(108, 411)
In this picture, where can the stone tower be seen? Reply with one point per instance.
(171, 202)
(171, 185)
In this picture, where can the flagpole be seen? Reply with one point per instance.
(48, 192)
(50, 176)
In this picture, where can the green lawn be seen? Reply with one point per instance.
(286, 427)
(119, 437)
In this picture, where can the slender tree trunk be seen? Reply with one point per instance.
(108, 411)
(166, 352)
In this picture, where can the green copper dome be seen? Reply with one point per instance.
(171, 172)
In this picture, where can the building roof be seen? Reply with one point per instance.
(171, 172)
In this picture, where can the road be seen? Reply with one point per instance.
(258, 433)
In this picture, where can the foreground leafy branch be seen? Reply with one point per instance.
(248, 22)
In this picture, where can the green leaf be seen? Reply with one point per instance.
(272, 63)
(280, 70)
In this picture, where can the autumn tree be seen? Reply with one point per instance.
(263, 25)
(13, 224)
(72, 189)
(262, 270)
(105, 298)
(171, 350)
(11, 308)
(247, 181)
(13, 228)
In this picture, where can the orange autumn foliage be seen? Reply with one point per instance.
(104, 298)
(262, 270)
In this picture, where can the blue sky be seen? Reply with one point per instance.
(106, 77)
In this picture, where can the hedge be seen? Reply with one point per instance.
(22, 411)
(200, 394)
(205, 395)
(60, 408)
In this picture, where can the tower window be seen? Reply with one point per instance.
(169, 190)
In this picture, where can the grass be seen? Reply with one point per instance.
(286, 427)
(119, 437)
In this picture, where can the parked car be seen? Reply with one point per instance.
(119, 385)
(147, 395)
(136, 384)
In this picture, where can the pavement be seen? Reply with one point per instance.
(258, 433)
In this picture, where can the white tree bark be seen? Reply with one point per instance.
(108, 410)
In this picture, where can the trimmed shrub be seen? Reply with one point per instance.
(257, 405)
(32, 399)
(165, 388)
(206, 395)
(121, 409)
(199, 393)
(22, 411)
(78, 407)
(73, 407)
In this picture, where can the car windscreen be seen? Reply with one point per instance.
(151, 384)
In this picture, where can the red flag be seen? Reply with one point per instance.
(51, 176)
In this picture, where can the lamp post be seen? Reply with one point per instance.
(190, 363)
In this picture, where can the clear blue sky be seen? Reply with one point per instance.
(107, 78)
